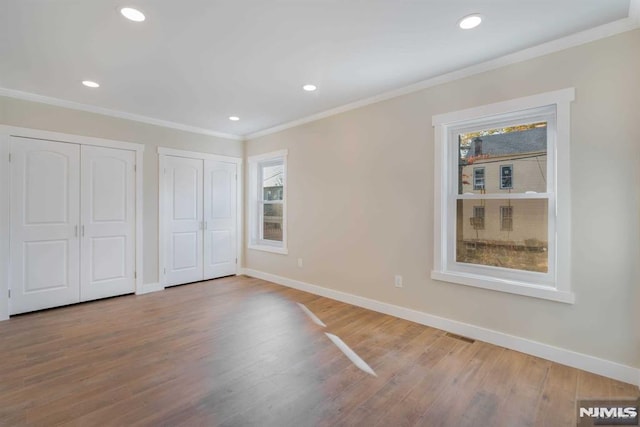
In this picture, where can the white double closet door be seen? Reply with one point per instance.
(200, 226)
(72, 223)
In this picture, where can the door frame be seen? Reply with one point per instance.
(163, 152)
(6, 132)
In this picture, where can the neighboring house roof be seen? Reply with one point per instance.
(527, 141)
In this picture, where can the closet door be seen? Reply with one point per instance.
(219, 219)
(183, 220)
(108, 222)
(45, 206)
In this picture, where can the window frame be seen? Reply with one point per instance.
(256, 203)
(502, 186)
(479, 218)
(508, 218)
(554, 285)
(477, 169)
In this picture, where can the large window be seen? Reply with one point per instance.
(268, 198)
(493, 229)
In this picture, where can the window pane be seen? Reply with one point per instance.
(503, 160)
(272, 182)
(272, 222)
(477, 220)
(503, 233)
(478, 178)
(506, 176)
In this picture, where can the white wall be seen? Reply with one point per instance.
(14, 112)
(361, 196)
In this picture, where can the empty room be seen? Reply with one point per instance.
(319, 213)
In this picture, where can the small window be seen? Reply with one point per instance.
(477, 221)
(479, 241)
(478, 178)
(506, 218)
(506, 177)
(267, 210)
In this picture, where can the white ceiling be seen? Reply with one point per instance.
(197, 62)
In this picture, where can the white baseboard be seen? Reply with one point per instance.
(147, 288)
(582, 361)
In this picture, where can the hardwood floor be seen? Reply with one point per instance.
(240, 352)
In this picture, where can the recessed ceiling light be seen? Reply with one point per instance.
(234, 118)
(89, 83)
(470, 21)
(309, 88)
(132, 14)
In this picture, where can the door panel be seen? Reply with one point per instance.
(183, 220)
(187, 258)
(108, 222)
(219, 219)
(45, 265)
(45, 206)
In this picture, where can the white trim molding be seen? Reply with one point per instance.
(163, 152)
(255, 232)
(11, 131)
(27, 96)
(550, 107)
(563, 356)
(5, 226)
(630, 23)
(198, 155)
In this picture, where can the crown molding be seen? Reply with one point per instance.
(27, 96)
(632, 22)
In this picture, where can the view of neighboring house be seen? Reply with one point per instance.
(273, 195)
(503, 163)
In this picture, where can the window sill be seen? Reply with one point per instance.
(502, 285)
(267, 248)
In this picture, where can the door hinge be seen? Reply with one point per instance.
(135, 275)
(135, 168)
(165, 271)
(236, 260)
(9, 157)
(9, 293)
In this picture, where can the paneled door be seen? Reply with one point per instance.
(183, 211)
(108, 222)
(219, 219)
(45, 221)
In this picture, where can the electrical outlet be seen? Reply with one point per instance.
(398, 281)
(300, 262)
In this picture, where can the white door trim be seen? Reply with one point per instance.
(162, 153)
(197, 155)
(8, 131)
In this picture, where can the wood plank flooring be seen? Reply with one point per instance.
(240, 352)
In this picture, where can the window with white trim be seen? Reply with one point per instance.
(505, 234)
(506, 176)
(478, 178)
(268, 202)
